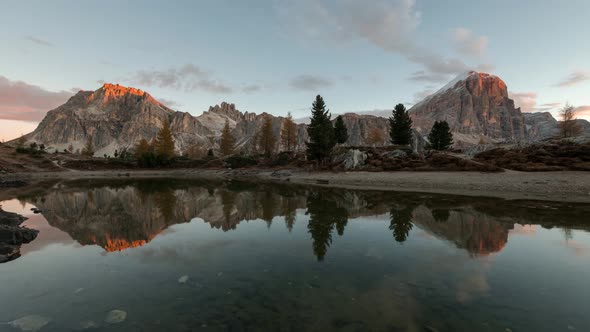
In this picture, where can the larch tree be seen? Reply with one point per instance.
(142, 148)
(320, 132)
(440, 137)
(289, 133)
(340, 131)
(228, 142)
(164, 144)
(267, 138)
(88, 149)
(375, 137)
(568, 126)
(400, 126)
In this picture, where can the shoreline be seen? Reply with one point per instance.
(561, 186)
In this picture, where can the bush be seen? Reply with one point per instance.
(240, 161)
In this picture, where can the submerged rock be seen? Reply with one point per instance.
(183, 279)
(12, 235)
(115, 317)
(10, 218)
(30, 323)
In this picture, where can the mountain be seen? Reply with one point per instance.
(476, 106)
(117, 117)
(542, 125)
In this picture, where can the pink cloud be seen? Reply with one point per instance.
(26, 102)
(583, 111)
(574, 78)
(527, 101)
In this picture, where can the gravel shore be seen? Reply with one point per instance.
(553, 186)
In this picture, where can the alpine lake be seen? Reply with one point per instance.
(187, 255)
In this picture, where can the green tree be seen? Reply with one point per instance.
(164, 144)
(320, 132)
(340, 131)
(88, 149)
(400, 126)
(289, 133)
(228, 142)
(440, 137)
(267, 137)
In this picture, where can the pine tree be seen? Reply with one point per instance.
(320, 132)
(289, 133)
(228, 142)
(267, 137)
(400, 126)
(340, 131)
(164, 144)
(440, 136)
(88, 149)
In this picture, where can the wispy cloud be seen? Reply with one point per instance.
(188, 78)
(574, 78)
(38, 41)
(251, 88)
(26, 102)
(527, 101)
(389, 25)
(309, 83)
(466, 42)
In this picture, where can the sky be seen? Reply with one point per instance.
(274, 56)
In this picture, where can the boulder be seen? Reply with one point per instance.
(353, 159)
(10, 218)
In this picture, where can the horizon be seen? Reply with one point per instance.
(275, 56)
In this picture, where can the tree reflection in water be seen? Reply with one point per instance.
(401, 222)
(324, 216)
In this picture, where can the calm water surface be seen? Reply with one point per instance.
(178, 255)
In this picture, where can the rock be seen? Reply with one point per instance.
(394, 154)
(16, 235)
(354, 159)
(11, 183)
(474, 104)
(10, 218)
(183, 279)
(30, 323)
(115, 317)
(89, 324)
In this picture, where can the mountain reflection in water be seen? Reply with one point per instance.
(125, 214)
(184, 255)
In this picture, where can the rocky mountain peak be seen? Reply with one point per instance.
(475, 105)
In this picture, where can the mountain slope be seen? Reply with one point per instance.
(476, 106)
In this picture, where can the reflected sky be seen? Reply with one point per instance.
(294, 258)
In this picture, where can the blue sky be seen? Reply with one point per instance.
(275, 56)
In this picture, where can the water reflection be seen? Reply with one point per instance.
(126, 214)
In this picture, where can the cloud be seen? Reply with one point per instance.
(38, 41)
(188, 78)
(389, 25)
(26, 102)
(574, 78)
(251, 88)
(583, 111)
(309, 83)
(466, 42)
(420, 95)
(169, 103)
(527, 101)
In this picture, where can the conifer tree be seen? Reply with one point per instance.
(340, 131)
(228, 142)
(289, 133)
(267, 137)
(320, 132)
(142, 148)
(400, 126)
(164, 143)
(440, 136)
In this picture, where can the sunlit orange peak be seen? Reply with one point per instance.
(116, 90)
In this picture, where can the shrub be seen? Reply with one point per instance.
(240, 161)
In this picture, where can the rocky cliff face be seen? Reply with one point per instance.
(118, 117)
(476, 106)
(542, 125)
